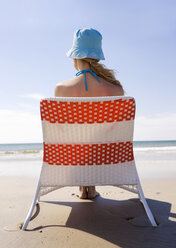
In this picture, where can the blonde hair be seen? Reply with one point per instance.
(102, 71)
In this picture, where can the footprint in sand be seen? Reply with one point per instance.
(13, 228)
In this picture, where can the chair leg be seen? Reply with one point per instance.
(146, 207)
(31, 208)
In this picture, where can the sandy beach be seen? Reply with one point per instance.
(87, 87)
(115, 219)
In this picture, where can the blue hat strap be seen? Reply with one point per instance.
(84, 71)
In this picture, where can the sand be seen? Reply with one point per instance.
(115, 219)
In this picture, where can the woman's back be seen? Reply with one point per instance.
(76, 87)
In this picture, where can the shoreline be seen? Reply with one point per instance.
(149, 164)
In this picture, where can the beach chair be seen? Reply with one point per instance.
(88, 141)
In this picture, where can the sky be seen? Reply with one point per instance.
(139, 40)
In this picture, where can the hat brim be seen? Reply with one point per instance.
(81, 54)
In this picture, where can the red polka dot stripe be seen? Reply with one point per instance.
(87, 112)
(88, 154)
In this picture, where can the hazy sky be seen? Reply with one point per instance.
(139, 42)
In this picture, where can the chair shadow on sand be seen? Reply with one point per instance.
(121, 222)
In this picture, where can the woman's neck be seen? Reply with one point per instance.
(83, 66)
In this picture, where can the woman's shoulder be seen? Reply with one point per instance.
(113, 89)
(118, 90)
(66, 83)
(62, 88)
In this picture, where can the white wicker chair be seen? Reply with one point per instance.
(88, 141)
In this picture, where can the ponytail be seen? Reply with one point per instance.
(102, 71)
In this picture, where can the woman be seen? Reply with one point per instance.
(92, 78)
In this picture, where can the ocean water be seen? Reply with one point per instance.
(153, 159)
(139, 146)
(20, 148)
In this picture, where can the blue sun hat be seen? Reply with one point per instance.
(87, 43)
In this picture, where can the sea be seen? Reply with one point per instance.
(33, 148)
(153, 158)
